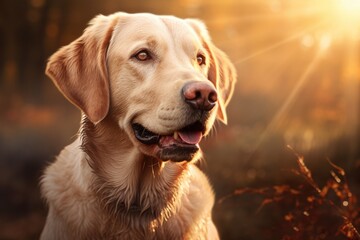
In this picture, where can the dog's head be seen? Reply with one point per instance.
(159, 77)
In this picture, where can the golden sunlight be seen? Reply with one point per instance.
(346, 13)
(348, 9)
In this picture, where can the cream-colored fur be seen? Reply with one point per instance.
(106, 184)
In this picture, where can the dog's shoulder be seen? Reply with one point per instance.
(66, 183)
(66, 170)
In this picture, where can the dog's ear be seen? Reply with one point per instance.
(79, 69)
(221, 72)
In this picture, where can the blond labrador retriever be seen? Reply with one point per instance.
(150, 88)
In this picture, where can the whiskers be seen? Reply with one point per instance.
(214, 131)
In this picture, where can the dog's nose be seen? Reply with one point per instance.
(200, 95)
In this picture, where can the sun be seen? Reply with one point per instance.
(347, 11)
(342, 17)
(348, 8)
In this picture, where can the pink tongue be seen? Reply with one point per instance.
(190, 137)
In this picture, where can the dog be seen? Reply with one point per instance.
(149, 88)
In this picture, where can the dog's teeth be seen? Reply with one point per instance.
(176, 135)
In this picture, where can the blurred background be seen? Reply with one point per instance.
(298, 64)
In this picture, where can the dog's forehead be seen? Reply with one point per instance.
(142, 26)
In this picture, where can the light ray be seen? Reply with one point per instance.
(278, 117)
(280, 43)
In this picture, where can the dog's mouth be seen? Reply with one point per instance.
(182, 145)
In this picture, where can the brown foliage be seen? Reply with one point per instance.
(328, 212)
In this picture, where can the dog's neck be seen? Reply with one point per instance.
(126, 180)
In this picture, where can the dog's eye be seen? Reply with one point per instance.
(200, 59)
(143, 55)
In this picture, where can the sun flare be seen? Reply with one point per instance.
(348, 8)
(347, 12)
